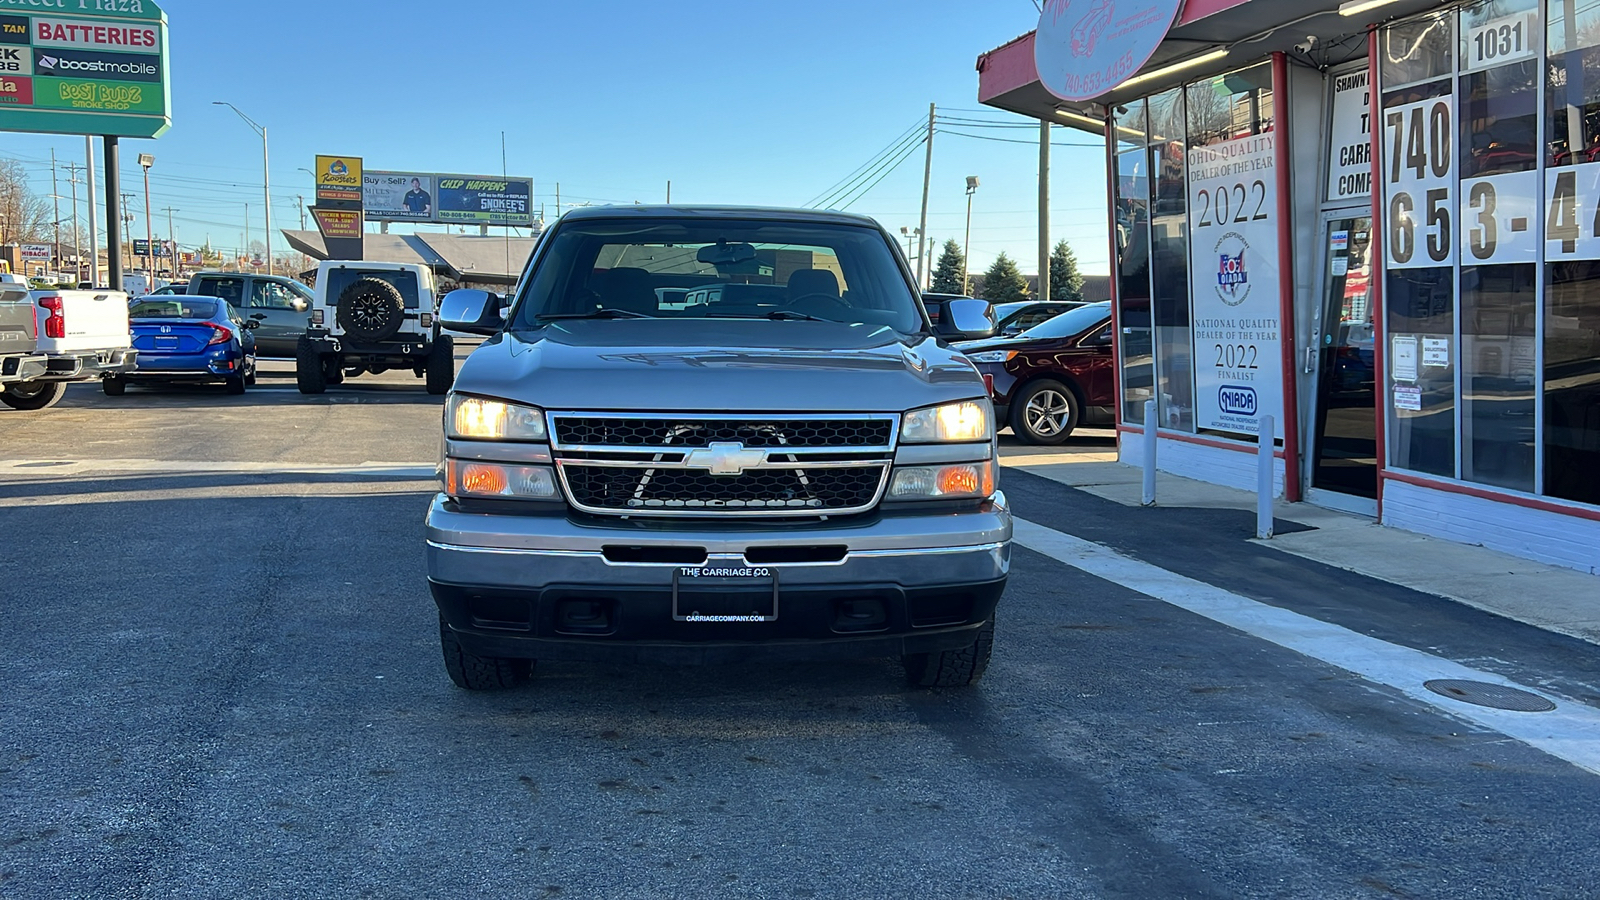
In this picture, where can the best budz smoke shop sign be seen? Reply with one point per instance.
(84, 67)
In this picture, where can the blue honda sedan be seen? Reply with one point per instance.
(188, 338)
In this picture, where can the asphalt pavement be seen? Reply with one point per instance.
(223, 680)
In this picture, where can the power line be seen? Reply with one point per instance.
(846, 184)
(909, 151)
(982, 137)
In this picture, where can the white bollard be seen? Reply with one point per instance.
(1148, 498)
(1264, 441)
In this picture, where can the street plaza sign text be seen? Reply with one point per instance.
(84, 67)
(1084, 48)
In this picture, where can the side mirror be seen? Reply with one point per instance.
(250, 324)
(472, 311)
(966, 319)
(298, 304)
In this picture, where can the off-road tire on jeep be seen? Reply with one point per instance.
(480, 673)
(371, 309)
(441, 368)
(31, 395)
(114, 386)
(308, 373)
(952, 668)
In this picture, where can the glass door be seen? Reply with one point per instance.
(1344, 459)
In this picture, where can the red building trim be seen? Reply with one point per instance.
(1114, 281)
(1380, 330)
(1286, 319)
(1455, 487)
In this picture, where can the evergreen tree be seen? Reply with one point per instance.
(1004, 282)
(947, 276)
(1066, 282)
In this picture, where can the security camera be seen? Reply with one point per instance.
(1305, 47)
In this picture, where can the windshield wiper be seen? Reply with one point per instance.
(604, 312)
(775, 315)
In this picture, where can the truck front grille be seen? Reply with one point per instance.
(830, 490)
(720, 465)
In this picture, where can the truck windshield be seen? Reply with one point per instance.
(718, 268)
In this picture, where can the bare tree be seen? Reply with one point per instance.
(24, 215)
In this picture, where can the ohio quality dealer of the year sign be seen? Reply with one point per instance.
(84, 67)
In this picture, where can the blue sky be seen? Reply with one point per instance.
(760, 103)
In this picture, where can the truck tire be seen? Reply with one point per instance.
(371, 309)
(1044, 412)
(32, 395)
(952, 668)
(114, 386)
(479, 673)
(235, 385)
(308, 375)
(441, 368)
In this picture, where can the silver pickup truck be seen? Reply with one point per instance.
(20, 359)
(716, 434)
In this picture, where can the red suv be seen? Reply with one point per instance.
(1053, 377)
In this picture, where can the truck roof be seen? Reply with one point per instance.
(773, 213)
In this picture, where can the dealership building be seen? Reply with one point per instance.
(1376, 221)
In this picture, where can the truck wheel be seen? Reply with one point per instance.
(33, 394)
(114, 386)
(479, 673)
(952, 668)
(1044, 412)
(308, 374)
(441, 370)
(371, 309)
(235, 385)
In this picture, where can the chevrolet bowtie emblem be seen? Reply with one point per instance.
(730, 458)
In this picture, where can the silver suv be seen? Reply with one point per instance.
(716, 434)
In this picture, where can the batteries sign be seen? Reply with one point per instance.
(85, 67)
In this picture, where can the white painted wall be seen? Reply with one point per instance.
(1529, 533)
(1213, 465)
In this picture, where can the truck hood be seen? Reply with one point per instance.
(712, 365)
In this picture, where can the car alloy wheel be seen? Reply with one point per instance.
(1047, 413)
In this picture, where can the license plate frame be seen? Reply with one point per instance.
(727, 584)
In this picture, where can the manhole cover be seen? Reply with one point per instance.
(1497, 696)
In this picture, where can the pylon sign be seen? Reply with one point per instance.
(85, 67)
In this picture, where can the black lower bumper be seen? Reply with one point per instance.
(588, 622)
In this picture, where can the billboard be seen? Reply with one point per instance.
(398, 196)
(447, 199)
(91, 68)
(36, 252)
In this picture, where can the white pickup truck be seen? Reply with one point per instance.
(77, 336)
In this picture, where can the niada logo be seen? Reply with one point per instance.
(1240, 401)
(1233, 282)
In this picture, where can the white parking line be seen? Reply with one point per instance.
(1570, 732)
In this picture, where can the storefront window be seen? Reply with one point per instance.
(1169, 258)
(1418, 50)
(1420, 304)
(1499, 308)
(1132, 213)
(1572, 381)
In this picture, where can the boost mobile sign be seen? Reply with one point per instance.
(1233, 272)
(84, 67)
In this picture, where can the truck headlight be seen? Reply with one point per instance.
(481, 419)
(464, 478)
(964, 481)
(992, 356)
(964, 422)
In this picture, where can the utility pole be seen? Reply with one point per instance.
(127, 226)
(1044, 210)
(55, 194)
(77, 245)
(94, 213)
(966, 243)
(927, 177)
(172, 238)
(247, 230)
(669, 192)
(300, 200)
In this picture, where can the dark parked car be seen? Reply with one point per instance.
(280, 304)
(188, 338)
(1015, 318)
(1053, 377)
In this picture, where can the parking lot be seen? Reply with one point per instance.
(223, 680)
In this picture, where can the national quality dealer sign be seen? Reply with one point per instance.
(84, 67)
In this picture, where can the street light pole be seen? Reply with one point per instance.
(147, 160)
(266, 184)
(966, 244)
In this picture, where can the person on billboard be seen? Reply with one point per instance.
(417, 201)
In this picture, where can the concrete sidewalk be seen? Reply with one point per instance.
(1557, 599)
